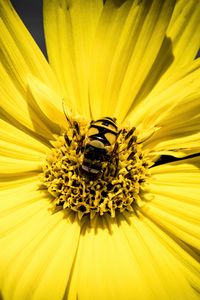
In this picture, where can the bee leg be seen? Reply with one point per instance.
(115, 148)
(80, 147)
(76, 128)
(67, 140)
(129, 133)
(131, 141)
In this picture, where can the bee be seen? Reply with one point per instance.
(99, 147)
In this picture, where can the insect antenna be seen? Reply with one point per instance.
(73, 124)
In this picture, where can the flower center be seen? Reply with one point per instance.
(93, 178)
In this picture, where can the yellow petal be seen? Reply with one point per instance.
(48, 104)
(159, 263)
(19, 52)
(20, 208)
(185, 80)
(105, 267)
(37, 248)
(178, 172)
(69, 30)
(10, 150)
(128, 39)
(17, 167)
(173, 107)
(179, 222)
(180, 45)
(187, 258)
(111, 42)
(17, 140)
(146, 49)
(184, 31)
(117, 261)
(19, 57)
(18, 109)
(9, 183)
(174, 189)
(36, 260)
(59, 263)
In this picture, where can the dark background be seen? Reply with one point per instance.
(30, 12)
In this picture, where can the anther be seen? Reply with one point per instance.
(130, 132)
(122, 171)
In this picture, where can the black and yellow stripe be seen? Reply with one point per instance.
(104, 130)
(100, 142)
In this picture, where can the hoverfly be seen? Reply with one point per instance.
(99, 146)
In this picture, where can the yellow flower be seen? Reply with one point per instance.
(133, 60)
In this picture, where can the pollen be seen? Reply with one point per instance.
(117, 189)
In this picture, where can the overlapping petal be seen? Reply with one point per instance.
(125, 260)
(19, 57)
(19, 52)
(183, 30)
(175, 199)
(153, 35)
(69, 29)
(37, 248)
(131, 59)
(172, 113)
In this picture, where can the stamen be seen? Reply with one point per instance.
(118, 186)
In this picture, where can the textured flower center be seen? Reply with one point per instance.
(119, 183)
